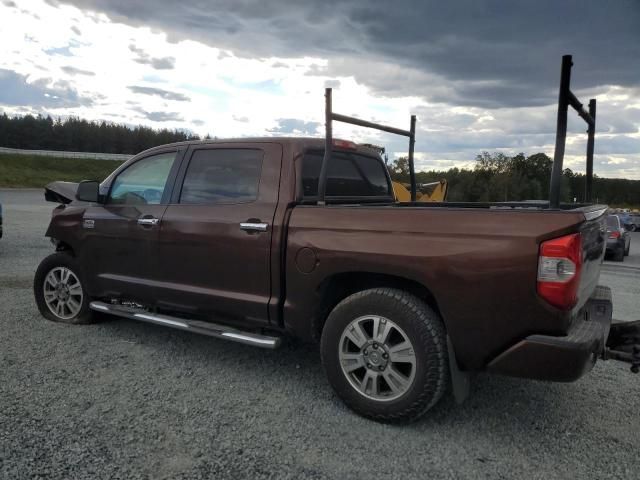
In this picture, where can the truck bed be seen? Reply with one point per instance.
(478, 261)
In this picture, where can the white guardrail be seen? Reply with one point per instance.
(55, 153)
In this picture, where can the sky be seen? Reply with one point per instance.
(479, 75)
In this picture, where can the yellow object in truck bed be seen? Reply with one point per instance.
(437, 194)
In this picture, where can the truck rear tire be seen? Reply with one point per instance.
(385, 354)
(59, 291)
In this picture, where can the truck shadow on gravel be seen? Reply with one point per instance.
(493, 399)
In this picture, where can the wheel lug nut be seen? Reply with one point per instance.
(375, 345)
(385, 355)
(380, 368)
(368, 365)
(366, 353)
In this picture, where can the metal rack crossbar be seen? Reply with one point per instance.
(330, 117)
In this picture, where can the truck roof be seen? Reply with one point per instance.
(298, 143)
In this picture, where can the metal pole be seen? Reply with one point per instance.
(328, 147)
(412, 170)
(591, 132)
(561, 133)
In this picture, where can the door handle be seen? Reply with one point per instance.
(254, 227)
(148, 222)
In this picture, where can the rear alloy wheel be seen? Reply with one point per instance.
(385, 354)
(381, 365)
(59, 292)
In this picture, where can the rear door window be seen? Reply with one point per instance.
(349, 175)
(229, 175)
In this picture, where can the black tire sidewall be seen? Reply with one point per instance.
(400, 307)
(60, 259)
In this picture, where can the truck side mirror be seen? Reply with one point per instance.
(88, 191)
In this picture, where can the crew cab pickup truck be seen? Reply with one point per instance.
(226, 238)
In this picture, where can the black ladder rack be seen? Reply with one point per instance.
(330, 116)
(566, 98)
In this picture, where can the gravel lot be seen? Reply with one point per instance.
(128, 400)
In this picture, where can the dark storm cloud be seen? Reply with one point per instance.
(159, 92)
(295, 126)
(159, 63)
(488, 54)
(15, 90)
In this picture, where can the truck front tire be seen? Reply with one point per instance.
(59, 290)
(385, 354)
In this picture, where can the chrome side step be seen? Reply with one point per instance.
(195, 326)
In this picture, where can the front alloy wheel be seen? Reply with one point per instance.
(63, 293)
(59, 292)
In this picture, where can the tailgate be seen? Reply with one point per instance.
(594, 237)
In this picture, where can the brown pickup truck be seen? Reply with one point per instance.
(403, 297)
(253, 240)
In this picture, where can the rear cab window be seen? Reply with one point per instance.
(613, 222)
(350, 174)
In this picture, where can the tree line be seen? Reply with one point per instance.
(498, 178)
(495, 177)
(79, 135)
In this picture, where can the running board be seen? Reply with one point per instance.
(195, 326)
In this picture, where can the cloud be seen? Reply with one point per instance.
(162, 63)
(159, 92)
(76, 71)
(16, 90)
(484, 54)
(76, 30)
(164, 116)
(240, 118)
(295, 126)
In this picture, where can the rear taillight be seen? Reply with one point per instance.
(559, 265)
(614, 234)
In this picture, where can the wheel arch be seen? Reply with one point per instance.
(339, 286)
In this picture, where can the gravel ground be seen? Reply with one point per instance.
(128, 400)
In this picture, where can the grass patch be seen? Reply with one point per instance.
(23, 171)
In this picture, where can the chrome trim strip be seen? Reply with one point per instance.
(246, 338)
(165, 321)
(196, 326)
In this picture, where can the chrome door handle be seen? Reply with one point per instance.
(253, 227)
(148, 222)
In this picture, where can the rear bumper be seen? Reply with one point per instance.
(566, 358)
(614, 246)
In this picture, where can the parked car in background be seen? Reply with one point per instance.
(618, 239)
(631, 222)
